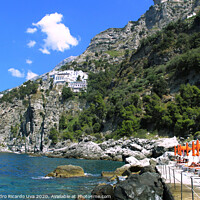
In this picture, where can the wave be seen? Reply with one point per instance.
(41, 177)
(89, 174)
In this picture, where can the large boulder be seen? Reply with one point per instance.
(165, 158)
(135, 162)
(126, 143)
(114, 151)
(147, 153)
(88, 138)
(117, 158)
(107, 144)
(135, 147)
(137, 154)
(86, 150)
(103, 192)
(132, 160)
(164, 144)
(118, 172)
(67, 171)
(147, 169)
(140, 187)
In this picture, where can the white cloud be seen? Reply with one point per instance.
(28, 61)
(31, 30)
(58, 35)
(30, 75)
(44, 51)
(31, 43)
(16, 73)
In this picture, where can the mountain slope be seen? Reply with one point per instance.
(114, 44)
(137, 87)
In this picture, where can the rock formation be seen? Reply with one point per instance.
(67, 171)
(119, 40)
(147, 184)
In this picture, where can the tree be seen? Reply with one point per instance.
(96, 127)
(62, 123)
(160, 86)
(66, 93)
(129, 127)
(53, 135)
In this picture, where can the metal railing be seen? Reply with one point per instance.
(170, 175)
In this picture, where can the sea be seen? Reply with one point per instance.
(23, 177)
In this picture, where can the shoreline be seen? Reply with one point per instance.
(129, 150)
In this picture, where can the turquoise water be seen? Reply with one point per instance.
(23, 177)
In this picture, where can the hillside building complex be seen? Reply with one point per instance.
(77, 80)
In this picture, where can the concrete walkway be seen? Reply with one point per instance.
(172, 175)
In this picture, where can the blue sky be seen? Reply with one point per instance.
(37, 34)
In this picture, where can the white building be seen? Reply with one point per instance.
(75, 79)
(191, 15)
(77, 86)
(68, 76)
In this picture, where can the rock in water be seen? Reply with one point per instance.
(118, 172)
(67, 171)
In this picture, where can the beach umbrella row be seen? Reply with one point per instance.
(180, 150)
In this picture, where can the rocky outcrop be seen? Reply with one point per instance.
(119, 150)
(147, 184)
(118, 40)
(103, 192)
(163, 145)
(67, 171)
(118, 172)
(25, 124)
(87, 150)
(133, 161)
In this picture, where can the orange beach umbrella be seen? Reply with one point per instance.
(197, 148)
(193, 149)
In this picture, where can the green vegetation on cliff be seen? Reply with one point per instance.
(137, 94)
(23, 91)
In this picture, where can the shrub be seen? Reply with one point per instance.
(66, 93)
(68, 135)
(54, 135)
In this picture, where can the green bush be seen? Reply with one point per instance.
(54, 135)
(62, 122)
(160, 86)
(68, 135)
(67, 93)
(96, 127)
(186, 62)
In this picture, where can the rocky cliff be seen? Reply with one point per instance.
(26, 120)
(26, 123)
(115, 44)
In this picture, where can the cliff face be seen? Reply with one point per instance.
(157, 17)
(25, 124)
(112, 44)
